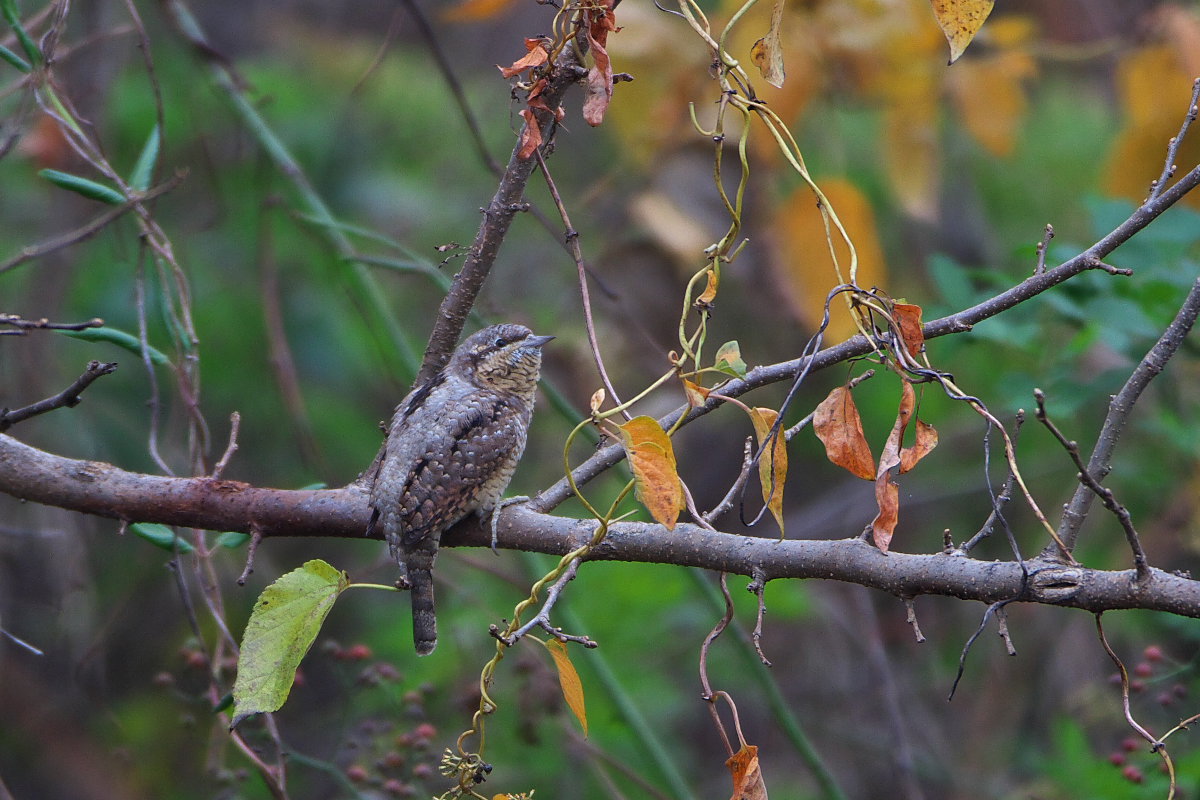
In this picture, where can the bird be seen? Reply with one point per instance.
(451, 449)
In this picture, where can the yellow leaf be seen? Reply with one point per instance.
(655, 474)
(801, 264)
(767, 52)
(568, 681)
(960, 20)
(772, 468)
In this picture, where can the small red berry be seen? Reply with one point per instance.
(1129, 744)
(1116, 758)
(1166, 699)
(357, 773)
(1137, 685)
(1132, 774)
(425, 731)
(358, 652)
(1143, 670)
(423, 771)
(1153, 653)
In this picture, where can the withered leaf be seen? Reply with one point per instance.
(887, 493)
(839, 427)
(960, 20)
(773, 466)
(599, 90)
(908, 319)
(747, 775)
(927, 439)
(767, 52)
(531, 135)
(536, 56)
(710, 290)
(696, 394)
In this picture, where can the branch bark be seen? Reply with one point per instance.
(98, 488)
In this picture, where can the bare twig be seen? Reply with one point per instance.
(1104, 493)
(22, 326)
(1039, 267)
(1121, 406)
(572, 241)
(1157, 186)
(804, 423)
(910, 616)
(1000, 500)
(542, 618)
(256, 537)
(735, 490)
(67, 398)
(235, 421)
(758, 587)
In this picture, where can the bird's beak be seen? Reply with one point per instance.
(536, 341)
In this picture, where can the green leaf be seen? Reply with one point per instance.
(14, 59)
(162, 536)
(9, 9)
(232, 539)
(121, 339)
(284, 624)
(143, 171)
(83, 186)
(729, 360)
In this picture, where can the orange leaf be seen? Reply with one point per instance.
(568, 681)
(747, 775)
(536, 56)
(655, 474)
(927, 439)
(839, 427)
(960, 20)
(908, 319)
(710, 290)
(887, 493)
(772, 472)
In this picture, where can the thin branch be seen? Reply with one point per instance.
(23, 326)
(542, 618)
(1104, 493)
(572, 241)
(67, 398)
(1039, 267)
(1157, 186)
(1121, 406)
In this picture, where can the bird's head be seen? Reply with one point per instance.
(506, 357)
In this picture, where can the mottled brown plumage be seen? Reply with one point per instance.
(451, 449)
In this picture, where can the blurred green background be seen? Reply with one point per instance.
(311, 303)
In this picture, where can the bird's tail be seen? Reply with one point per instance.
(420, 580)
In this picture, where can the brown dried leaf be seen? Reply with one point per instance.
(747, 774)
(531, 135)
(960, 20)
(767, 52)
(772, 472)
(887, 493)
(927, 439)
(599, 90)
(536, 56)
(908, 319)
(839, 427)
(655, 474)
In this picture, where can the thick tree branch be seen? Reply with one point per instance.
(97, 488)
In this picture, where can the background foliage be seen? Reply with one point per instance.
(1059, 113)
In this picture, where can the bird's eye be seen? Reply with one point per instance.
(501, 341)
